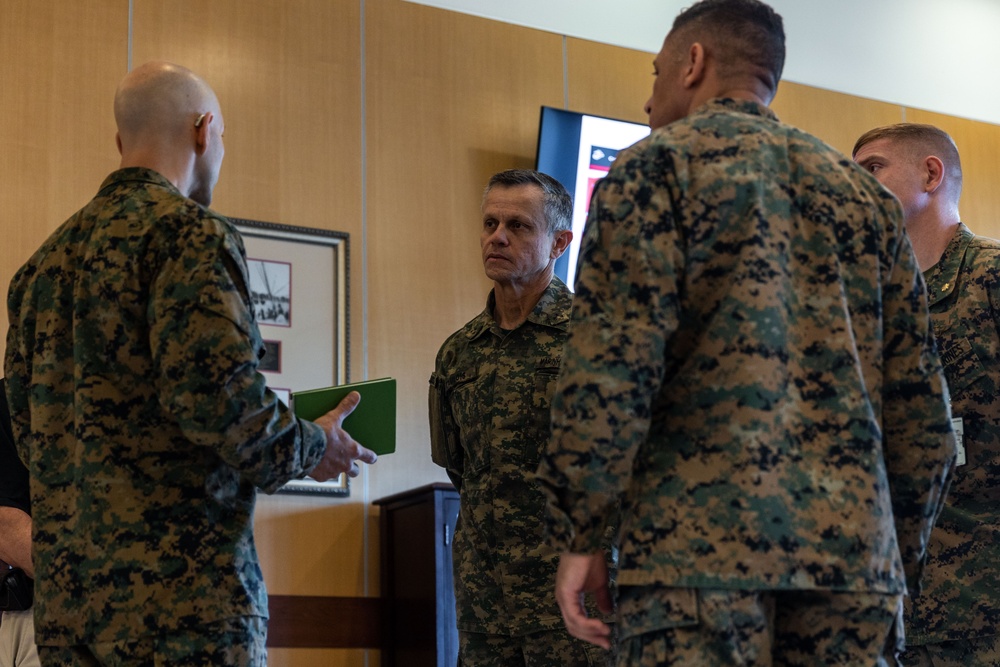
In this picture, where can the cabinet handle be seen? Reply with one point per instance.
(447, 534)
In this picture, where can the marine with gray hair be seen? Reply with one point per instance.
(489, 415)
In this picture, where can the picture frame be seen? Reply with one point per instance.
(299, 288)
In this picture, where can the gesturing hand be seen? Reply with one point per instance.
(342, 451)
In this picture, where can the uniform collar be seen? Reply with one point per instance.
(941, 277)
(740, 106)
(552, 310)
(137, 174)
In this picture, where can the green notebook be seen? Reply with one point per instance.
(373, 422)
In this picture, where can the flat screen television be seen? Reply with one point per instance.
(577, 149)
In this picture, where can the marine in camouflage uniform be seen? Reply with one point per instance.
(955, 620)
(131, 365)
(750, 366)
(489, 413)
(960, 596)
(137, 406)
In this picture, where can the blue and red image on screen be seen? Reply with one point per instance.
(578, 149)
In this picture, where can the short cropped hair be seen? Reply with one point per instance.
(918, 138)
(748, 36)
(558, 204)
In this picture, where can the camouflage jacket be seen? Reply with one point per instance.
(489, 413)
(961, 583)
(751, 365)
(131, 369)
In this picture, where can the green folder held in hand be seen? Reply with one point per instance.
(373, 422)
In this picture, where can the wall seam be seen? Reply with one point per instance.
(365, 489)
(565, 63)
(131, 24)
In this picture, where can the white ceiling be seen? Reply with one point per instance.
(939, 55)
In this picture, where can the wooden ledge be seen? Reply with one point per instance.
(308, 621)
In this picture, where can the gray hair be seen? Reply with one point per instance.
(558, 203)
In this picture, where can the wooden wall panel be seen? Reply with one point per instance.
(608, 80)
(836, 118)
(979, 146)
(451, 99)
(288, 77)
(287, 73)
(57, 132)
(319, 657)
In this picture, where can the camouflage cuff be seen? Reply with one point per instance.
(558, 529)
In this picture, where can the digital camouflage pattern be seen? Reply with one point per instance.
(750, 365)
(545, 648)
(961, 583)
(976, 652)
(731, 627)
(489, 412)
(132, 377)
(234, 642)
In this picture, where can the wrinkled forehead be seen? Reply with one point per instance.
(891, 148)
(525, 195)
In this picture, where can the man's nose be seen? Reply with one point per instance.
(499, 235)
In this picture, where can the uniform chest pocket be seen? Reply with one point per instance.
(470, 403)
(540, 414)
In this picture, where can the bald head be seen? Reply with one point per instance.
(169, 120)
(160, 98)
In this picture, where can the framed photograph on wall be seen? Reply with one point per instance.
(299, 289)
(271, 291)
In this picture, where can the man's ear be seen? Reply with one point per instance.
(560, 242)
(695, 65)
(933, 173)
(202, 135)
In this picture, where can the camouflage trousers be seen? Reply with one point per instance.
(712, 628)
(546, 648)
(977, 652)
(235, 642)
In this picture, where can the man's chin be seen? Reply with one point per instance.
(497, 276)
(496, 269)
(203, 198)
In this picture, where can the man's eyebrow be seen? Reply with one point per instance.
(869, 158)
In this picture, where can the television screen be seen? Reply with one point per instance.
(577, 150)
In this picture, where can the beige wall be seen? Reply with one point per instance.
(840, 119)
(382, 119)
